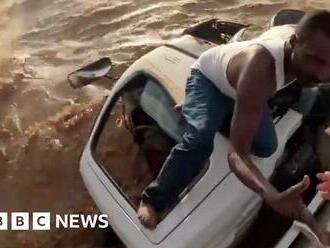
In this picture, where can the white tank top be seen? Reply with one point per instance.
(213, 63)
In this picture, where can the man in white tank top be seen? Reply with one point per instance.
(238, 79)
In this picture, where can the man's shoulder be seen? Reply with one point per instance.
(255, 65)
(257, 54)
(282, 32)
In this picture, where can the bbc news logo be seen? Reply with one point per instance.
(43, 221)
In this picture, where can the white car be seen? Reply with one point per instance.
(216, 209)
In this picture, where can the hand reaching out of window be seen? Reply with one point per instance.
(324, 186)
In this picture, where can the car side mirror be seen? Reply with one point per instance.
(90, 73)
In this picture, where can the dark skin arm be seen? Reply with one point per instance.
(255, 83)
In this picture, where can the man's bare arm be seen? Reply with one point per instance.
(256, 83)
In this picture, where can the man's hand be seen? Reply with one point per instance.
(324, 186)
(289, 202)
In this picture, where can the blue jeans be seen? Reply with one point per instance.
(205, 110)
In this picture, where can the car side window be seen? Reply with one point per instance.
(140, 130)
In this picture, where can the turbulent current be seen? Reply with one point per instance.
(44, 123)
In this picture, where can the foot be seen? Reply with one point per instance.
(147, 215)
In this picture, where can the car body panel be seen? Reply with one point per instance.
(217, 220)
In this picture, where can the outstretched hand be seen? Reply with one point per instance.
(287, 203)
(324, 185)
(290, 204)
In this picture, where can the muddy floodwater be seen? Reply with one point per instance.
(44, 123)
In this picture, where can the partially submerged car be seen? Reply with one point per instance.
(137, 127)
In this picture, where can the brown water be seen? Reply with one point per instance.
(44, 123)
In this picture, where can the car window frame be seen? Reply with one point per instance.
(105, 115)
